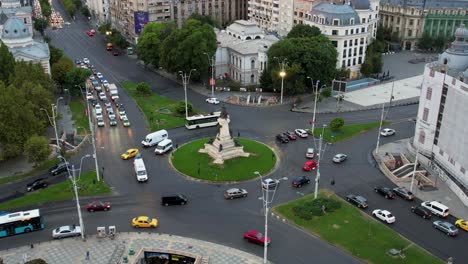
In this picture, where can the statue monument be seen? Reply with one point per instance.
(223, 146)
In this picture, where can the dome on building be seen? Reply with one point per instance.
(345, 14)
(359, 4)
(14, 28)
(461, 32)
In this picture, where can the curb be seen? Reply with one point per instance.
(298, 110)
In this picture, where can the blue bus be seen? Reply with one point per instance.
(20, 222)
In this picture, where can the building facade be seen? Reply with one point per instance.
(410, 18)
(242, 52)
(99, 10)
(441, 123)
(265, 14)
(18, 9)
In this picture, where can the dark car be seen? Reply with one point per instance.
(421, 211)
(291, 135)
(282, 138)
(357, 200)
(385, 191)
(300, 180)
(404, 193)
(61, 167)
(174, 199)
(37, 184)
(98, 206)
(115, 52)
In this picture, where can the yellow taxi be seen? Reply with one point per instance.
(130, 153)
(463, 224)
(144, 221)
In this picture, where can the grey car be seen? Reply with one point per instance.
(445, 227)
(235, 193)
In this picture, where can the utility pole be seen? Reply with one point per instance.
(320, 154)
(315, 102)
(93, 141)
(390, 103)
(380, 129)
(185, 80)
(212, 64)
(78, 208)
(282, 74)
(52, 120)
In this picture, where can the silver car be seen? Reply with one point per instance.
(66, 231)
(235, 193)
(338, 158)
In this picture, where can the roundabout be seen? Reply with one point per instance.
(188, 161)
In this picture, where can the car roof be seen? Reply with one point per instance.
(233, 190)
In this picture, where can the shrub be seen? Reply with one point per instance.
(309, 209)
(143, 88)
(180, 108)
(326, 93)
(336, 124)
(36, 261)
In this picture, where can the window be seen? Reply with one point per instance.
(252, 64)
(429, 93)
(343, 63)
(422, 137)
(345, 43)
(354, 61)
(441, 152)
(344, 53)
(362, 41)
(355, 41)
(410, 33)
(335, 44)
(352, 31)
(351, 21)
(451, 161)
(349, 62)
(462, 170)
(336, 22)
(425, 114)
(252, 78)
(360, 60)
(363, 30)
(398, 20)
(363, 20)
(334, 32)
(411, 22)
(360, 50)
(346, 32)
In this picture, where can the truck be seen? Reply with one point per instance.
(113, 92)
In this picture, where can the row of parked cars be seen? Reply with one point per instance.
(287, 136)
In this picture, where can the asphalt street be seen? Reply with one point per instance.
(208, 216)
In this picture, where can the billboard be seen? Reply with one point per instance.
(141, 19)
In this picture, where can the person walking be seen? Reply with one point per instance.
(87, 254)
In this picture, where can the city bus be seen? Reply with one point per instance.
(198, 121)
(20, 222)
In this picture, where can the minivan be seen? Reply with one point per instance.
(173, 199)
(140, 170)
(163, 146)
(154, 138)
(436, 208)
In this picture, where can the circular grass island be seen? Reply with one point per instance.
(187, 160)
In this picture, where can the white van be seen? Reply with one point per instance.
(163, 146)
(154, 138)
(436, 208)
(140, 170)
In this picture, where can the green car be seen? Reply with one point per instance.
(125, 122)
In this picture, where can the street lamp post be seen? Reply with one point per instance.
(53, 122)
(282, 74)
(380, 129)
(185, 80)
(212, 61)
(320, 154)
(315, 101)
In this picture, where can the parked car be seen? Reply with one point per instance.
(212, 100)
(421, 211)
(310, 153)
(256, 237)
(235, 193)
(300, 180)
(99, 75)
(89, 96)
(269, 183)
(109, 108)
(445, 227)
(37, 184)
(61, 167)
(385, 191)
(404, 193)
(384, 215)
(386, 132)
(338, 158)
(98, 206)
(282, 138)
(291, 135)
(66, 231)
(144, 221)
(130, 153)
(357, 200)
(86, 60)
(301, 133)
(463, 224)
(309, 165)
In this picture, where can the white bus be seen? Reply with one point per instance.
(198, 121)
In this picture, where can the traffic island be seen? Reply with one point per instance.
(188, 161)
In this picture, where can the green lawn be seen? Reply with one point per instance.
(77, 107)
(357, 233)
(187, 160)
(41, 167)
(59, 192)
(346, 131)
(156, 107)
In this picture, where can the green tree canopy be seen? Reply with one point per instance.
(206, 19)
(303, 31)
(336, 123)
(37, 149)
(149, 44)
(55, 54)
(40, 24)
(7, 64)
(28, 72)
(60, 69)
(425, 42)
(76, 78)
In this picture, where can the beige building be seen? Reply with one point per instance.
(99, 10)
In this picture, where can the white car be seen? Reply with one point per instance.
(102, 96)
(86, 60)
(109, 108)
(98, 114)
(100, 122)
(98, 107)
(310, 153)
(67, 23)
(66, 231)
(212, 100)
(387, 132)
(92, 78)
(99, 75)
(111, 114)
(384, 215)
(269, 183)
(89, 96)
(301, 133)
(338, 158)
(122, 116)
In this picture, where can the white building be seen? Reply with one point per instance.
(16, 8)
(242, 52)
(264, 13)
(441, 127)
(99, 10)
(350, 27)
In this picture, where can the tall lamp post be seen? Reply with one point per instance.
(282, 74)
(75, 189)
(266, 201)
(53, 122)
(185, 80)
(320, 154)
(380, 129)
(212, 61)
(315, 101)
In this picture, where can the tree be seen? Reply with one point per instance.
(31, 72)
(425, 42)
(439, 43)
(75, 80)
(143, 88)
(60, 69)
(206, 20)
(336, 124)
(148, 49)
(85, 11)
(303, 31)
(45, 8)
(117, 39)
(55, 54)
(37, 149)
(40, 24)
(7, 64)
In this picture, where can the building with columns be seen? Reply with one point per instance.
(441, 122)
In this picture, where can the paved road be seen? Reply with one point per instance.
(208, 216)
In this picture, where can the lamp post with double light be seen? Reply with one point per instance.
(185, 80)
(52, 120)
(212, 61)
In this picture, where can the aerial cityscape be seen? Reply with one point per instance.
(233, 131)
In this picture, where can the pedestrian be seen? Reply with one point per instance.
(87, 254)
(238, 134)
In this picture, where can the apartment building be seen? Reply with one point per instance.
(99, 10)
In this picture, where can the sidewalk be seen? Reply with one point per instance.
(105, 250)
(441, 193)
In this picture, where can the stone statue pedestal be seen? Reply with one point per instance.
(223, 147)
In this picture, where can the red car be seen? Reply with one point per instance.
(256, 237)
(309, 165)
(98, 206)
(90, 33)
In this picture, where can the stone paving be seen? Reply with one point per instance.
(107, 251)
